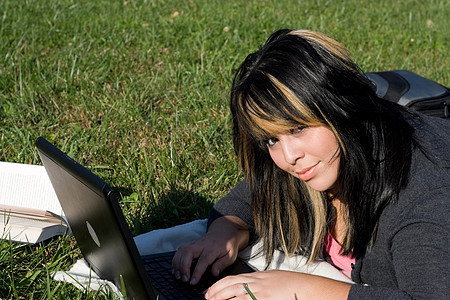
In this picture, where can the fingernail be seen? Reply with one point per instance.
(185, 278)
(177, 275)
(193, 281)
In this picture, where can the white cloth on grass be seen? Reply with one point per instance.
(169, 239)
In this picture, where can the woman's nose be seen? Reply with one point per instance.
(291, 150)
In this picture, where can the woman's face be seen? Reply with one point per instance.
(310, 154)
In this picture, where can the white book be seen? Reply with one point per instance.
(29, 209)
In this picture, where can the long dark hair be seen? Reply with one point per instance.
(301, 77)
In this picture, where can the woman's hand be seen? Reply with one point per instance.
(218, 248)
(276, 284)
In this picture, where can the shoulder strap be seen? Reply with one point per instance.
(397, 86)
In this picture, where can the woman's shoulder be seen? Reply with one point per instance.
(428, 188)
(426, 195)
(433, 137)
(430, 165)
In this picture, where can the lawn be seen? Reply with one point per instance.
(138, 92)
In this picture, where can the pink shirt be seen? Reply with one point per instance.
(332, 249)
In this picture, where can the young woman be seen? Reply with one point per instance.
(331, 172)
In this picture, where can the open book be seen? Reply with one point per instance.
(29, 209)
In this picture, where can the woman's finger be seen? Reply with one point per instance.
(235, 290)
(228, 287)
(223, 262)
(182, 261)
(205, 259)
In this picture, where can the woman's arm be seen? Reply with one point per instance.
(236, 203)
(229, 227)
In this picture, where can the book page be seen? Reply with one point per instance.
(27, 186)
(31, 227)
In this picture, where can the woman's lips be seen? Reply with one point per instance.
(307, 173)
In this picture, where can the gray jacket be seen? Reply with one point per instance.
(410, 258)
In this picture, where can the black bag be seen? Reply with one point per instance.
(414, 91)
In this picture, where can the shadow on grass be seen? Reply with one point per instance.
(172, 208)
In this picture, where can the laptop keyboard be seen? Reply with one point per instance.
(159, 269)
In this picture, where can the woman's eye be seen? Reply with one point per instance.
(296, 130)
(271, 142)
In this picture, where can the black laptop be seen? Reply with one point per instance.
(97, 222)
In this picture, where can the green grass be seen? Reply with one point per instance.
(138, 92)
